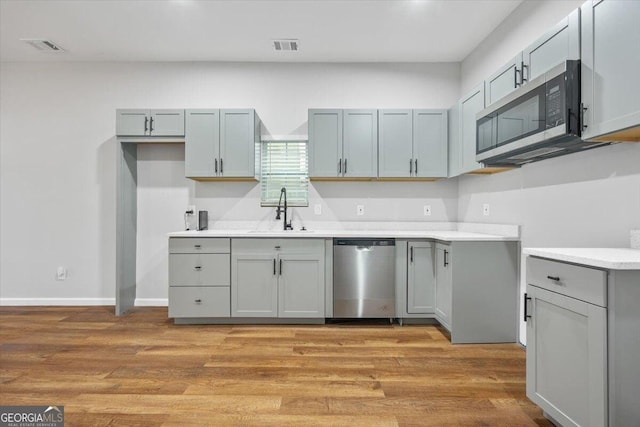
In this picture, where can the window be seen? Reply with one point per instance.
(284, 164)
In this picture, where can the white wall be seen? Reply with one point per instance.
(57, 153)
(585, 199)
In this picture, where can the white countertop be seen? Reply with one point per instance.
(609, 258)
(446, 235)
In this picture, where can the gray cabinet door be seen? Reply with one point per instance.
(455, 144)
(254, 285)
(300, 285)
(566, 358)
(430, 143)
(504, 81)
(360, 143)
(444, 285)
(166, 122)
(325, 143)
(132, 122)
(420, 279)
(469, 106)
(395, 143)
(560, 43)
(610, 63)
(237, 143)
(202, 143)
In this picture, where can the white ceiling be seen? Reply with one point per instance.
(242, 30)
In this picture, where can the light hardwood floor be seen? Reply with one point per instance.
(141, 370)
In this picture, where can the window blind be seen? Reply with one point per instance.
(284, 164)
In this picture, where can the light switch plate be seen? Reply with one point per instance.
(360, 210)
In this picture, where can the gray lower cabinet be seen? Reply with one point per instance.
(278, 278)
(412, 143)
(476, 290)
(221, 143)
(610, 64)
(199, 277)
(443, 285)
(420, 278)
(139, 122)
(567, 341)
(343, 143)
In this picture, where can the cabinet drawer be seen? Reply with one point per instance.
(199, 270)
(190, 245)
(286, 244)
(199, 302)
(584, 283)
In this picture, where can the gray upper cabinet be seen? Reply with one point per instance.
(430, 141)
(412, 143)
(202, 143)
(140, 122)
(360, 143)
(420, 279)
(504, 81)
(220, 143)
(468, 107)
(239, 132)
(558, 44)
(343, 143)
(610, 63)
(325, 143)
(396, 143)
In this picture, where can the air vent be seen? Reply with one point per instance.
(47, 45)
(290, 45)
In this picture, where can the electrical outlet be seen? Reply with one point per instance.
(485, 209)
(317, 209)
(427, 210)
(61, 273)
(360, 210)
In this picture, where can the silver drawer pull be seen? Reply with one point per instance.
(198, 268)
(198, 301)
(197, 246)
(554, 278)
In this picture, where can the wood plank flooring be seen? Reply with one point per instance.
(142, 370)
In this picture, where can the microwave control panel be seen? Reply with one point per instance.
(555, 102)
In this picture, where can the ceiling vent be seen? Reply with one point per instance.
(46, 45)
(288, 45)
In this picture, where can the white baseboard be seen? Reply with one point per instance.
(152, 302)
(57, 301)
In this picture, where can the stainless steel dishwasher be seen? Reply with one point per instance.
(364, 277)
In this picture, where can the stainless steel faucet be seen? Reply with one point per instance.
(280, 209)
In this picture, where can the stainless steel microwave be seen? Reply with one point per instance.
(539, 120)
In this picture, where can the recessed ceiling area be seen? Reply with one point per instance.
(244, 30)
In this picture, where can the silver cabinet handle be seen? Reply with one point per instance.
(221, 165)
(146, 123)
(410, 166)
(345, 166)
(151, 125)
(416, 168)
(281, 266)
(197, 246)
(339, 166)
(411, 250)
(274, 266)
(516, 83)
(216, 165)
(198, 301)
(522, 68)
(197, 268)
